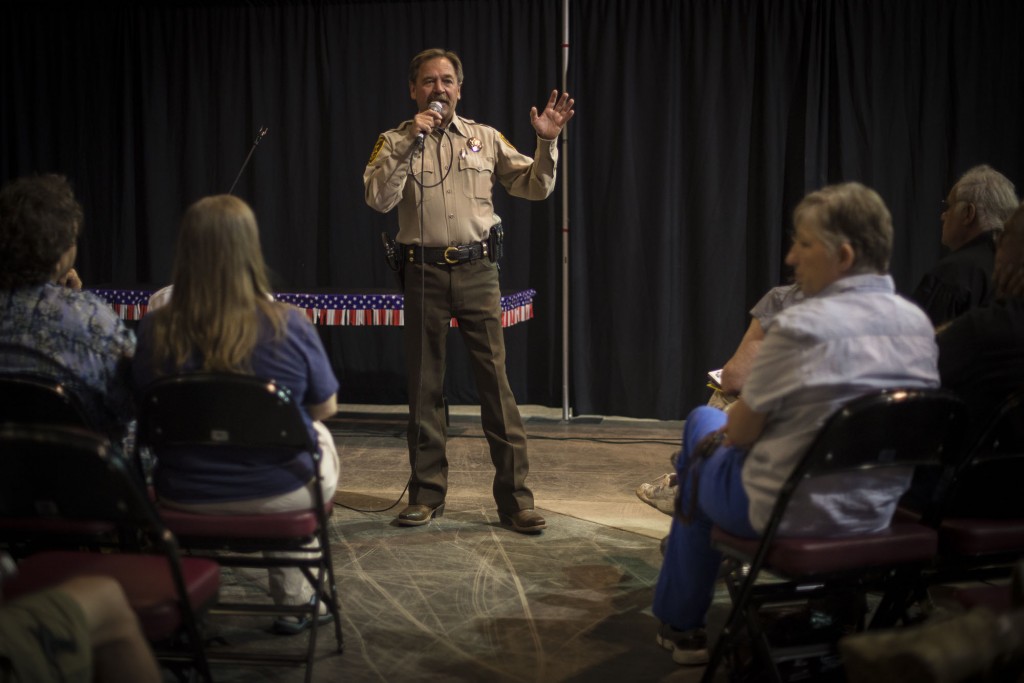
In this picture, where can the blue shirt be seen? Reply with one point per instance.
(296, 360)
(75, 338)
(855, 336)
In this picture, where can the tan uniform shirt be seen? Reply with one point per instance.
(458, 172)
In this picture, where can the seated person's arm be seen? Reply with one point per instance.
(322, 411)
(736, 370)
(743, 425)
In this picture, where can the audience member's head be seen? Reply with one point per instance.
(220, 287)
(39, 224)
(839, 230)
(219, 258)
(1008, 274)
(979, 202)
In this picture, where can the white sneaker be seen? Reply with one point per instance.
(660, 494)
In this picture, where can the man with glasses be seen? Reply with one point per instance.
(973, 214)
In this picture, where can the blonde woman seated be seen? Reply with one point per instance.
(222, 319)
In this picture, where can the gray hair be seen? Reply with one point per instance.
(852, 213)
(992, 194)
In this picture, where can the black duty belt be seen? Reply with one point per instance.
(444, 256)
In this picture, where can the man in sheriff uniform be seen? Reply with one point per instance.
(439, 169)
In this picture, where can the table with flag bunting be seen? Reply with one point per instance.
(332, 309)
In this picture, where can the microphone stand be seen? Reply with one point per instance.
(260, 134)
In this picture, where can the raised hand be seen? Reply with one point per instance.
(556, 114)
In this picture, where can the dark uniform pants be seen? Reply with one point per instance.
(469, 292)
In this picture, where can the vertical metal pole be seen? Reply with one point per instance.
(566, 411)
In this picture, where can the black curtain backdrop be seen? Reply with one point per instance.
(699, 126)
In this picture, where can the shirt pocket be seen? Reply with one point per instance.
(476, 175)
(424, 169)
(423, 175)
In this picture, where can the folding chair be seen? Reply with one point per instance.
(37, 399)
(62, 473)
(980, 519)
(892, 428)
(30, 399)
(225, 414)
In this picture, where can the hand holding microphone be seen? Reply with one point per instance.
(435, 106)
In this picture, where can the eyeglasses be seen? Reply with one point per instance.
(946, 206)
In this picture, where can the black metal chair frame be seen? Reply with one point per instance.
(231, 413)
(27, 398)
(56, 473)
(33, 399)
(991, 470)
(891, 428)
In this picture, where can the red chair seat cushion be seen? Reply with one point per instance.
(970, 536)
(146, 580)
(900, 543)
(281, 525)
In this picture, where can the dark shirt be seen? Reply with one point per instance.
(981, 357)
(959, 282)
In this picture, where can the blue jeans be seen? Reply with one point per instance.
(686, 582)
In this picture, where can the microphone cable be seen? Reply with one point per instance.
(422, 302)
(423, 278)
(445, 135)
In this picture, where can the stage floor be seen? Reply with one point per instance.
(464, 599)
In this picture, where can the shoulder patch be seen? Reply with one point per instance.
(376, 149)
(503, 139)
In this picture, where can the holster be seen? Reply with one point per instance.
(390, 252)
(391, 256)
(495, 240)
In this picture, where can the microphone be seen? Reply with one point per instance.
(260, 134)
(437, 106)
